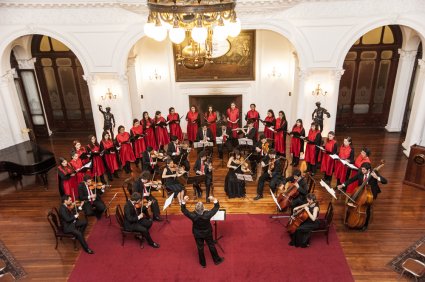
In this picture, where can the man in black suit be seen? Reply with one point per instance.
(202, 229)
(178, 155)
(150, 164)
(140, 187)
(72, 224)
(137, 223)
(298, 181)
(250, 131)
(258, 153)
(226, 133)
(372, 178)
(92, 203)
(272, 171)
(204, 134)
(203, 167)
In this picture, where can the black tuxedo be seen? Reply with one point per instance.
(176, 158)
(208, 178)
(72, 225)
(134, 224)
(202, 231)
(227, 144)
(138, 187)
(251, 134)
(146, 162)
(200, 135)
(276, 176)
(373, 183)
(88, 206)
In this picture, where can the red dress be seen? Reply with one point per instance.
(327, 162)
(267, 132)
(253, 114)
(150, 140)
(340, 169)
(68, 183)
(279, 137)
(358, 162)
(139, 144)
(77, 164)
(212, 123)
(81, 151)
(297, 145)
(161, 133)
(110, 155)
(175, 129)
(233, 115)
(126, 152)
(310, 149)
(192, 125)
(97, 167)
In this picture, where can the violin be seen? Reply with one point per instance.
(265, 147)
(98, 185)
(74, 204)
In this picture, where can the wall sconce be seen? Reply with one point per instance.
(274, 73)
(155, 76)
(318, 91)
(108, 95)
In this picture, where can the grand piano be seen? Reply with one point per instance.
(26, 158)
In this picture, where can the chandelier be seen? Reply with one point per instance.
(195, 26)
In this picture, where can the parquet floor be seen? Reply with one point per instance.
(398, 218)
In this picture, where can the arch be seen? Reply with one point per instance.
(128, 41)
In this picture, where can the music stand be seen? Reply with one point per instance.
(196, 179)
(244, 177)
(167, 203)
(107, 208)
(219, 216)
(245, 144)
(278, 208)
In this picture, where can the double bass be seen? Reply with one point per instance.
(359, 202)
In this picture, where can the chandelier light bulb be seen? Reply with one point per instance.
(160, 33)
(220, 33)
(149, 29)
(199, 34)
(234, 28)
(177, 35)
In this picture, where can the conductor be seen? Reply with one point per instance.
(202, 229)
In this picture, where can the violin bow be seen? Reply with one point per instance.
(75, 206)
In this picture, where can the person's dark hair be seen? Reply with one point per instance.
(157, 113)
(235, 152)
(173, 138)
(272, 152)
(145, 175)
(135, 197)
(90, 142)
(149, 148)
(252, 105)
(104, 134)
(300, 121)
(194, 107)
(86, 178)
(366, 166)
(169, 161)
(205, 124)
(331, 133)
(75, 142)
(315, 125)
(73, 152)
(120, 127)
(312, 197)
(366, 150)
(64, 198)
(296, 172)
(283, 114)
(170, 109)
(201, 154)
(135, 120)
(61, 159)
(262, 136)
(271, 111)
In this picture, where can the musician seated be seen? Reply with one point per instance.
(226, 134)
(71, 223)
(203, 167)
(300, 183)
(137, 222)
(178, 152)
(143, 187)
(260, 150)
(204, 135)
(170, 174)
(372, 178)
(149, 160)
(301, 236)
(272, 172)
(93, 204)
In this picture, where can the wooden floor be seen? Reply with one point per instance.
(398, 218)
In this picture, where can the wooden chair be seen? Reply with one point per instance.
(414, 267)
(421, 250)
(310, 182)
(285, 165)
(119, 215)
(127, 187)
(53, 218)
(325, 223)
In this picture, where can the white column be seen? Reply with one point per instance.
(132, 85)
(301, 82)
(97, 118)
(415, 128)
(401, 90)
(125, 103)
(332, 101)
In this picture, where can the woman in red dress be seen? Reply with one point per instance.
(269, 123)
(280, 135)
(148, 129)
(346, 152)
(211, 118)
(193, 120)
(297, 143)
(97, 166)
(173, 120)
(126, 152)
(67, 180)
(314, 138)
(136, 134)
(253, 115)
(362, 158)
(161, 132)
(110, 155)
(77, 165)
(233, 119)
(81, 151)
(328, 164)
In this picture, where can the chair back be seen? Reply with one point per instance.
(329, 214)
(119, 216)
(311, 183)
(53, 218)
(127, 187)
(285, 165)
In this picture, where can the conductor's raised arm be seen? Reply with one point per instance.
(214, 210)
(185, 211)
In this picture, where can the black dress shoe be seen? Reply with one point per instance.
(204, 265)
(89, 251)
(258, 197)
(157, 218)
(154, 245)
(219, 261)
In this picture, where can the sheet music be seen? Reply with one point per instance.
(320, 147)
(329, 189)
(220, 215)
(334, 156)
(344, 162)
(168, 202)
(87, 165)
(219, 140)
(245, 177)
(240, 176)
(245, 141)
(275, 200)
(352, 166)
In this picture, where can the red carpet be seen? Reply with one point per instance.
(256, 249)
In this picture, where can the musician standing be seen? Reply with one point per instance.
(280, 134)
(149, 162)
(346, 152)
(177, 153)
(203, 166)
(327, 166)
(314, 139)
(109, 156)
(232, 114)
(193, 122)
(140, 186)
(66, 178)
(71, 224)
(137, 137)
(234, 187)
(253, 115)
(204, 135)
(261, 149)
(202, 229)
(148, 129)
(161, 132)
(250, 131)
(269, 124)
(297, 143)
(272, 171)
(137, 223)
(97, 166)
(92, 203)
(77, 165)
(211, 119)
(170, 174)
(126, 151)
(226, 134)
(173, 120)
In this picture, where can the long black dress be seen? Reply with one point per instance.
(234, 187)
(301, 236)
(172, 183)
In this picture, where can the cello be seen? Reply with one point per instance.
(285, 199)
(359, 202)
(296, 220)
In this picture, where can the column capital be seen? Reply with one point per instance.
(26, 63)
(6, 78)
(303, 73)
(407, 54)
(336, 74)
(122, 78)
(421, 64)
(91, 79)
(131, 61)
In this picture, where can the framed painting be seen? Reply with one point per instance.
(233, 60)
